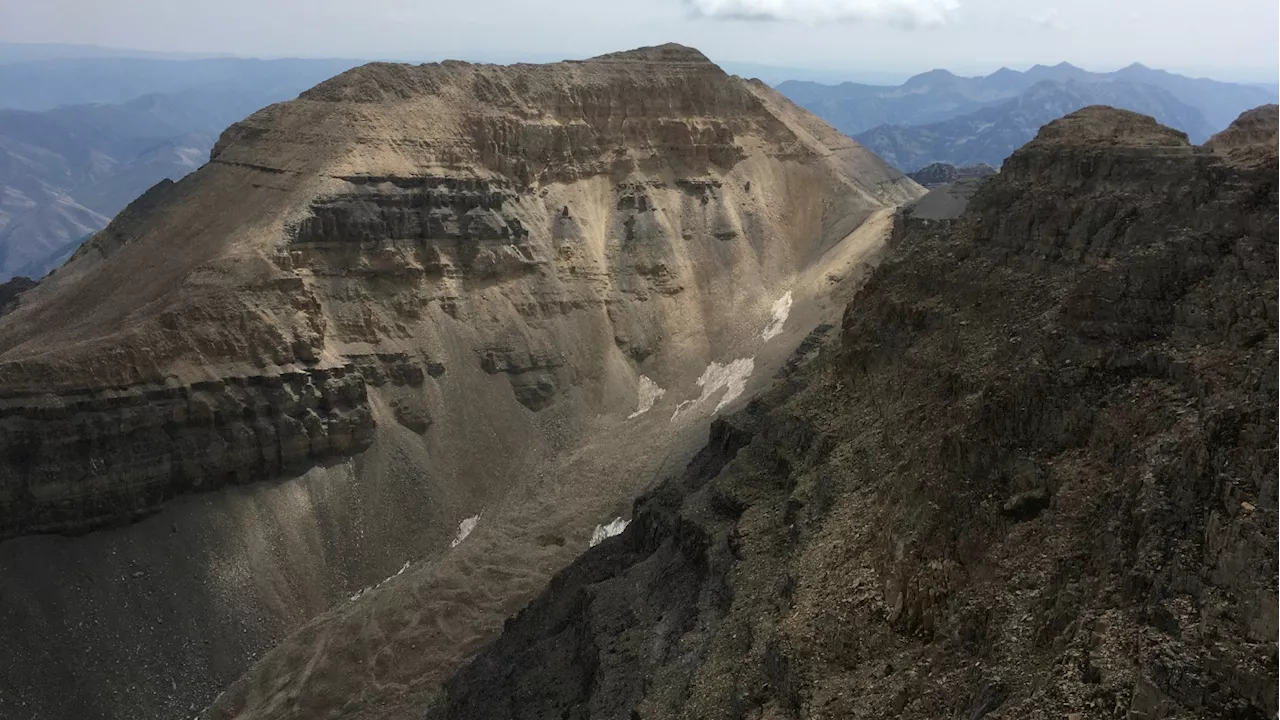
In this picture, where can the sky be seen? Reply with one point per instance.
(1229, 39)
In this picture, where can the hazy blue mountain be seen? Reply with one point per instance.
(65, 171)
(773, 74)
(1220, 102)
(939, 95)
(992, 133)
(46, 84)
(12, 52)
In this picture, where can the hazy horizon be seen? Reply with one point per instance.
(854, 39)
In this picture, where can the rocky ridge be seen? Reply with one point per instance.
(1033, 476)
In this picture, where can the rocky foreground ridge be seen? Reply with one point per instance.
(1034, 476)
(426, 322)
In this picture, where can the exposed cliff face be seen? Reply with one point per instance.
(82, 460)
(1034, 476)
(413, 296)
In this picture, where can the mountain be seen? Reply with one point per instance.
(424, 326)
(936, 95)
(940, 95)
(65, 172)
(773, 74)
(989, 135)
(12, 52)
(46, 84)
(1220, 102)
(937, 174)
(1033, 474)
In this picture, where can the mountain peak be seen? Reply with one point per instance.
(935, 75)
(1252, 135)
(1103, 125)
(387, 81)
(1060, 67)
(665, 53)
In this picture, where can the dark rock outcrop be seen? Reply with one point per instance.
(11, 290)
(1036, 477)
(938, 174)
(77, 461)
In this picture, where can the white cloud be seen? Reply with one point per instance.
(1049, 19)
(905, 14)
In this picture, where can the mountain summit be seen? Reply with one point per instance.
(431, 323)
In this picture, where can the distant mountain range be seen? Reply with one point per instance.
(46, 84)
(14, 52)
(942, 117)
(991, 134)
(939, 174)
(83, 137)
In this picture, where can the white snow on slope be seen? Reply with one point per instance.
(375, 587)
(464, 529)
(604, 532)
(649, 393)
(781, 309)
(732, 378)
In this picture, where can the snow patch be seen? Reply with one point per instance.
(781, 309)
(649, 393)
(464, 529)
(375, 587)
(604, 532)
(732, 378)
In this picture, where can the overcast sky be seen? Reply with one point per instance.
(1224, 38)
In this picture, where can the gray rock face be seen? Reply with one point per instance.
(78, 461)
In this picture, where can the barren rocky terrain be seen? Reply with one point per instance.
(387, 362)
(1032, 475)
